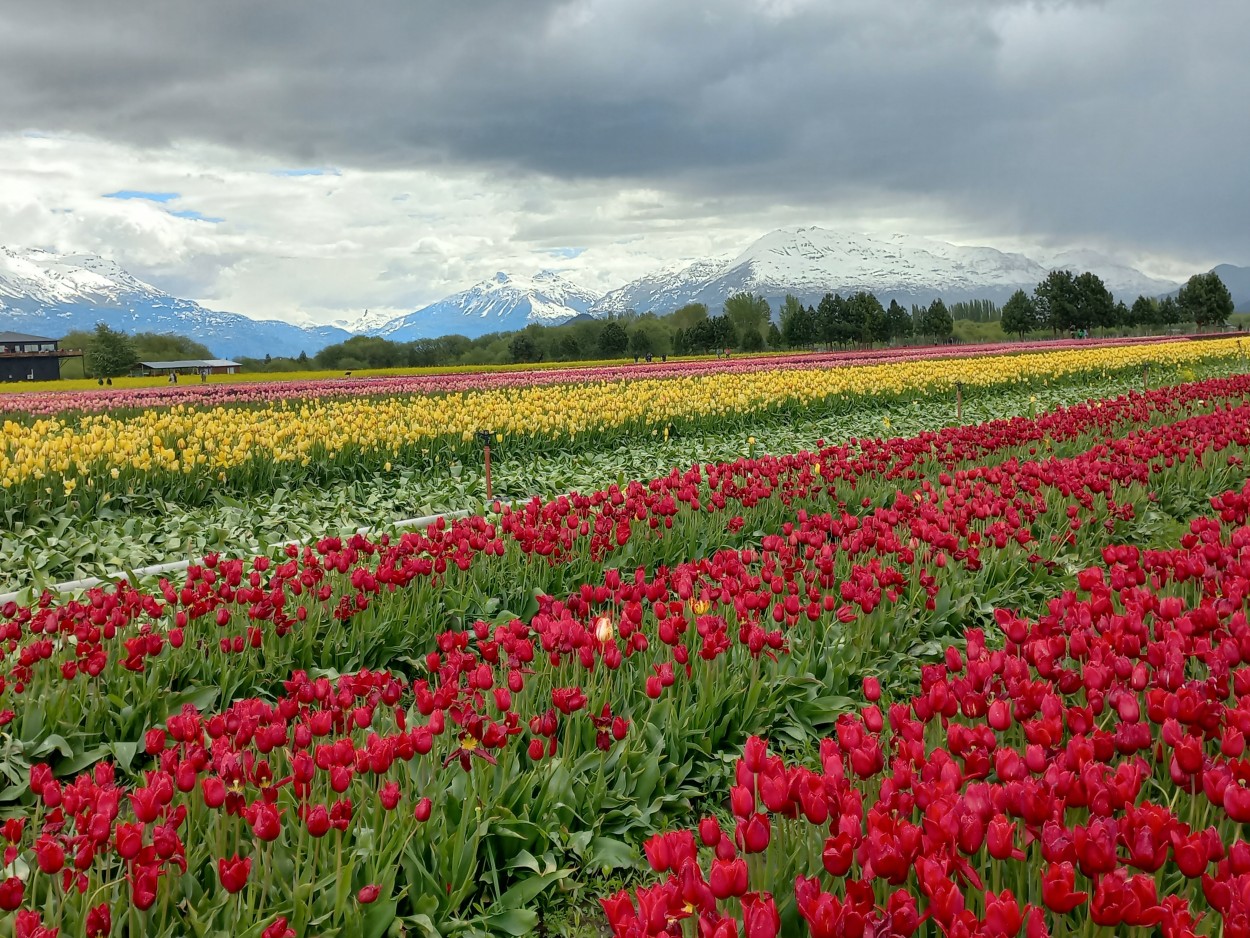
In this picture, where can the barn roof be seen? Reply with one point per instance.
(192, 363)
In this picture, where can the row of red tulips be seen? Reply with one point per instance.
(212, 395)
(1089, 775)
(322, 746)
(129, 625)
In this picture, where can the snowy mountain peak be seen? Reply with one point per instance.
(52, 294)
(500, 303)
(810, 262)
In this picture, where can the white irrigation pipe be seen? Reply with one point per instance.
(178, 566)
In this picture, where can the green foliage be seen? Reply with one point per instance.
(1058, 301)
(774, 337)
(1020, 314)
(523, 349)
(1205, 300)
(613, 340)
(799, 327)
(975, 311)
(901, 325)
(1097, 305)
(1067, 302)
(936, 322)
(110, 353)
(748, 313)
(688, 315)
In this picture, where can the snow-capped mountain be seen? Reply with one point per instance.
(1126, 282)
(367, 323)
(51, 294)
(501, 303)
(809, 262)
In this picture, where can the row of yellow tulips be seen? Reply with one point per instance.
(189, 441)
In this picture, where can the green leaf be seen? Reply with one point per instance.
(124, 754)
(611, 854)
(529, 888)
(379, 918)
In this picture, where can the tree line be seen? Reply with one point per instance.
(1063, 303)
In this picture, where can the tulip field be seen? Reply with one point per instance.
(798, 652)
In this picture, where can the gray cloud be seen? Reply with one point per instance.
(1119, 121)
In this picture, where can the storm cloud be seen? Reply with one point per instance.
(1121, 122)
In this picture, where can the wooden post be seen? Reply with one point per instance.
(486, 455)
(1145, 383)
(959, 401)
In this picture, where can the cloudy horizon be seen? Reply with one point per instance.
(309, 160)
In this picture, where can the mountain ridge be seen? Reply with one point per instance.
(43, 292)
(809, 262)
(501, 303)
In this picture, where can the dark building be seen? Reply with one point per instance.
(30, 357)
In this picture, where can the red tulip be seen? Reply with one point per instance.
(234, 872)
(728, 878)
(368, 894)
(759, 916)
(99, 921)
(279, 929)
(754, 833)
(1058, 888)
(11, 892)
(49, 854)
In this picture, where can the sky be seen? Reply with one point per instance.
(307, 160)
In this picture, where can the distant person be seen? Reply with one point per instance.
(109, 382)
(648, 358)
(100, 382)
(664, 357)
(203, 375)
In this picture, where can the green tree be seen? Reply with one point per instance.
(641, 342)
(303, 357)
(1144, 313)
(1205, 300)
(1095, 302)
(686, 316)
(899, 320)
(1123, 318)
(1170, 312)
(936, 321)
(109, 353)
(613, 340)
(748, 313)
(568, 348)
(522, 348)
(797, 323)
(167, 346)
(1058, 301)
(774, 336)
(869, 318)
(724, 335)
(1020, 314)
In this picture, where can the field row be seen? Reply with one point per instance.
(185, 454)
(525, 701)
(131, 531)
(261, 389)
